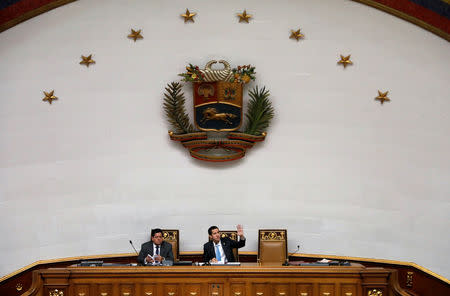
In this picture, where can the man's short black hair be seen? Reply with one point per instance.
(155, 231)
(211, 229)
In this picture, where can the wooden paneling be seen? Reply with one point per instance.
(261, 290)
(238, 289)
(193, 290)
(417, 282)
(281, 290)
(349, 290)
(304, 289)
(105, 290)
(171, 290)
(213, 281)
(326, 290)
(216, 289)
(148, 290)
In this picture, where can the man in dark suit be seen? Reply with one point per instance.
(156, 250)
(220, 249)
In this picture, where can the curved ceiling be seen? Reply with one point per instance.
(432, 15)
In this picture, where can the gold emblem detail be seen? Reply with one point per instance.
(231, 235)
(206, 90)
(374, 292)
(56, 292)
(382, 97)
(188, 16)
(244, 17)
(49, 96)
(19, 287)
(170, 235)
(296, 35)
(211, 114)
(272, 235)
(135, 35)
(87, 60)
(345, 61)
(409, 279)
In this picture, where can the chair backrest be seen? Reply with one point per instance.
(172, 236)
(272, 246)
(231, 234)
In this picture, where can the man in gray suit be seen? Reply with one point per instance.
(156, 250)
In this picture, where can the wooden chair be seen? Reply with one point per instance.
(272, 246)
(231, 234)
(172, 236)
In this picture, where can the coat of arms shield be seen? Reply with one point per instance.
(218, 105)
(218, 99)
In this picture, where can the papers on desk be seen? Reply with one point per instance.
(226, 264)
(219, 264)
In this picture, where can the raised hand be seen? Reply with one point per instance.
(240, 230)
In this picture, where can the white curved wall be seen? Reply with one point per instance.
(342, 173)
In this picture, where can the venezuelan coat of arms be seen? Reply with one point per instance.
(220, 132)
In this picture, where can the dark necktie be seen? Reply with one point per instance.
(157, 249)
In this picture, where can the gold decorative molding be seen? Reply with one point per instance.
(230, 234)
(19, 287)
(299, 255)
(56, 292)
(276, 235)
(374, 292)
(406, 17)
(409, 279)
(33, 13)
(170, 235)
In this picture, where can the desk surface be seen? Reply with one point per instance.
(248, 268)
(245, 280)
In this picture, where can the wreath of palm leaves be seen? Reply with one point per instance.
(260, 111)
(175, 111)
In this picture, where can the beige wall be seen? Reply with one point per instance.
(343, 174)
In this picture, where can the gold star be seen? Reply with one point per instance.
(345, 61)
(135, 35)
(87, 60)
(244, 17)
(49, 96)
(382, 97)
(188, 16)
(296, 35)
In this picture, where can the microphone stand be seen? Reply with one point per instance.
(131, 243)
(287, 259)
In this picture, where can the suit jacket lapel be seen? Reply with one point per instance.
(213, 251)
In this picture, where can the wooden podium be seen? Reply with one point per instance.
(245, 280)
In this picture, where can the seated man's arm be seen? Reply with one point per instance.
(237, 244)
(169, 253)
(206, 257)
(142, 254)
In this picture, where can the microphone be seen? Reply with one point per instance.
(292, 254)
(131, 243)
